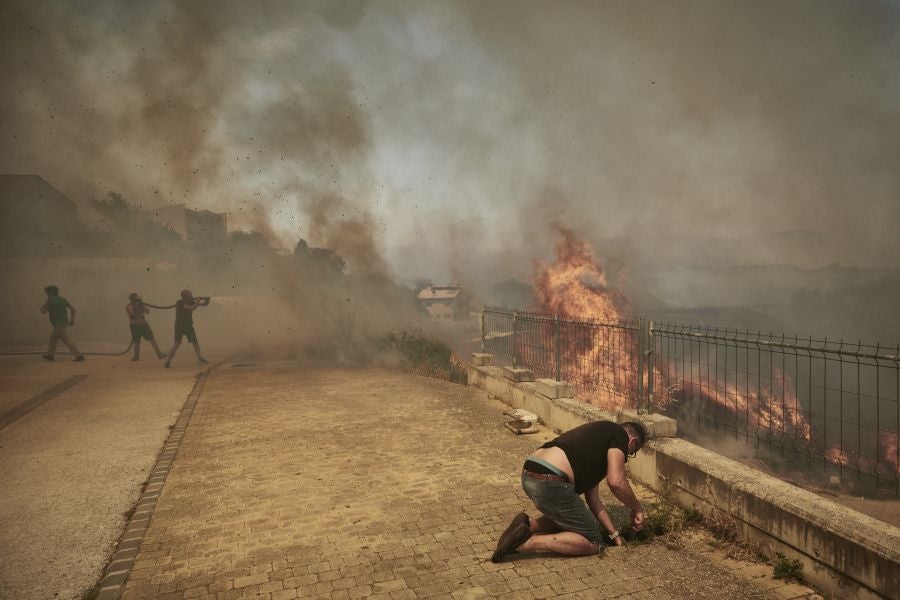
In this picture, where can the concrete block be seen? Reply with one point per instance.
(518, 374)
(552, 388)
(482, 359)
(658, 426)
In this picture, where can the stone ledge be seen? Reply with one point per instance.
(844, 553)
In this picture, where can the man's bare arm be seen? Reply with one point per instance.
(72, 315)
(599, 509)
(197, 303)
(621, 489)
(44, 307)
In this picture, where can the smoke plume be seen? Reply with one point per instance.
(452, 140)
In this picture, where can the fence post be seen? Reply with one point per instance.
(556, 322)
(482, 328)
(640, 369)
(515, 348)
(651, 345)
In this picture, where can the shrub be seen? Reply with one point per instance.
(664, 518)
(425, 356)
(786, 568)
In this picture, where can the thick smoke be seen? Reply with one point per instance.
(249, 110)
(220, 105)
(696, 146)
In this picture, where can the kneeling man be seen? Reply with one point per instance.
(554, 477)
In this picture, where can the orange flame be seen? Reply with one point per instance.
(837, 456)
(887, 446)
(576, 286)
(767, 411)
(887, 461)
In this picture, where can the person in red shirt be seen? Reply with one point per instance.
(140, 329)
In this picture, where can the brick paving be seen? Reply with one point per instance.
(300, 482)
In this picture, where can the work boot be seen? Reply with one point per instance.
(202, 361)
(516, 534)
(168, 365)
(79, 358)
(160, 355)
(47, 357)
(135, 358)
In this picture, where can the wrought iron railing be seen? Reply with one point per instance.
(601, 359)
(822, 405)
(815, 402)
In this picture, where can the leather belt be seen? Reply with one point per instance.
(545, 476)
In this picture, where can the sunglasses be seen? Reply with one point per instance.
(640, 445)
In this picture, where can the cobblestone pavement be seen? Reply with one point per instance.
(302, 482)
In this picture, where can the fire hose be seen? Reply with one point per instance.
(125, 351)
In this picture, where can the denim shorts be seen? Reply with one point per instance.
(558, 501)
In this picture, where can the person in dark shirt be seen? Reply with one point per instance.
(184, 324)
(557, 473)
(58, 309)
(139, 326)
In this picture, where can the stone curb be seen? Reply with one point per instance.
(112, 584)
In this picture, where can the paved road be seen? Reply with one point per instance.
(300, 482)
(72, 462)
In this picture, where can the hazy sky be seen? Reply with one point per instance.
(457, 134)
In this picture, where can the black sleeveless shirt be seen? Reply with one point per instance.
(183, 318)
(586, 447)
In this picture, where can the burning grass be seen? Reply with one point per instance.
(598, 352)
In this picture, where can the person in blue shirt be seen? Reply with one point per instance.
(62, 316)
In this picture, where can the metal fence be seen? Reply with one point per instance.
(602, 360)
(821, 405)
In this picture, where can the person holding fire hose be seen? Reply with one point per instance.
(184, 324)
(558, 472)
(137, 322)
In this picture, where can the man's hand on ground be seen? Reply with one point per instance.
(637, 519)
(618, 541)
